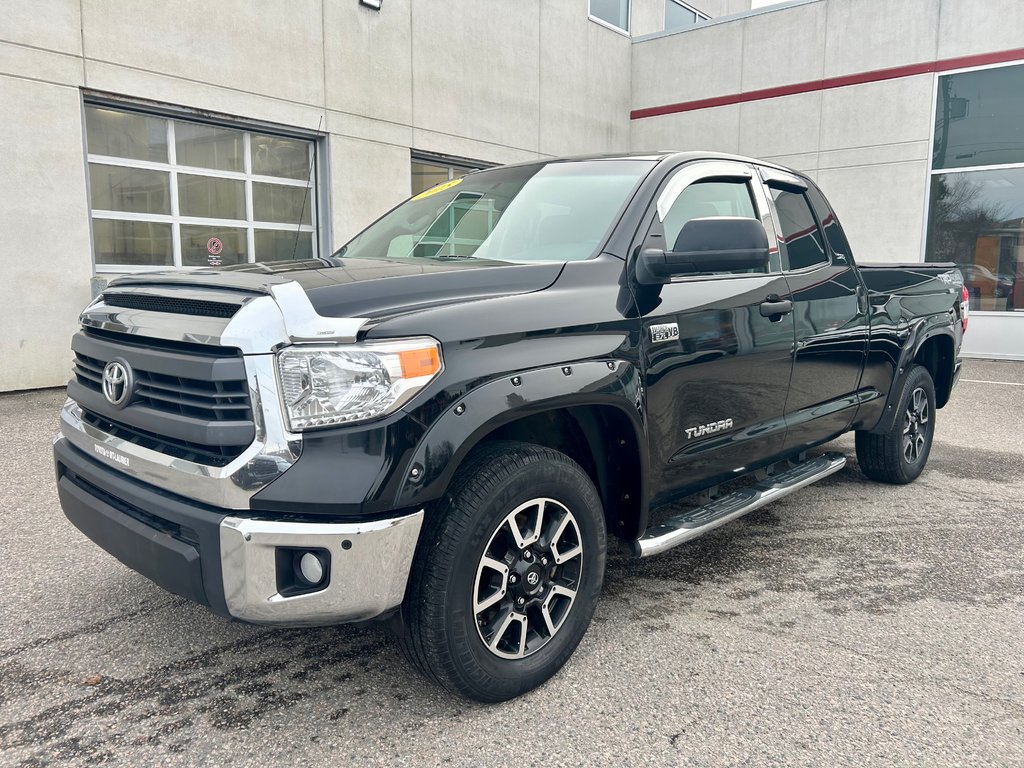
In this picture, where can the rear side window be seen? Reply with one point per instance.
(800, 238)
(833, 232)
(703, 199)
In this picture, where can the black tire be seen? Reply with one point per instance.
(899, 455)
(440, 633)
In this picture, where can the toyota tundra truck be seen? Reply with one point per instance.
(441, 424)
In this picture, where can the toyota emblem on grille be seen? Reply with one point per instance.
(118, 383)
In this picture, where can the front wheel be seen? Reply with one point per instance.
(899, 455)
(508, 572)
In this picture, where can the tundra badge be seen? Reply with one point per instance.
(707, 429)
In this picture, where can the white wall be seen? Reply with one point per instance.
(500, 81)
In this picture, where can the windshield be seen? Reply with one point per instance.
(552, 212)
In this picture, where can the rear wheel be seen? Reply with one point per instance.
(899, 455)
(508, 572)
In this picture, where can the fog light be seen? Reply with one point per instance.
(311, 568)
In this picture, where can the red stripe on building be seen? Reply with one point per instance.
(858, 78)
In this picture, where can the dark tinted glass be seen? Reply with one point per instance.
(979, 118)
(279, 245)
(976, 220)
(801, 239)
(136, 190)
(203, 246)
(135, 243)
(126, 134)
(833, 231)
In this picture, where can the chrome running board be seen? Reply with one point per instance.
(696, 522)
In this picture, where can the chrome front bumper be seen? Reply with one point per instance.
(369, 568)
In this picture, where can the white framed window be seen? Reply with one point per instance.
(611, 13)
(975, 204)
(166, 192)
(679, 15)
(431, 170)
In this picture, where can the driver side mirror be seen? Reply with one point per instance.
(715, 244)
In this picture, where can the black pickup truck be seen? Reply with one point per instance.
(440, 424)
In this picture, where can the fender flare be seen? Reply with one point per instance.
(469, 419)
(920, 333)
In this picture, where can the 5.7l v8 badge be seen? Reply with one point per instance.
(664, 332)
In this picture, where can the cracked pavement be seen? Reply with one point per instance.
(849, 624)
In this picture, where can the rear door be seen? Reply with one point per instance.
(716, 370)
(830, 313)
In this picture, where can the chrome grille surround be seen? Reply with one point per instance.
(272, 313)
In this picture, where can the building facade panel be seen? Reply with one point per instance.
(866, 35)
(276, 52)
(45, 220)
(377, 83)
(478, 74)
(784, 46)
(54, 25)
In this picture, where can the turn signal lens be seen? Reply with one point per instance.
(419, 362)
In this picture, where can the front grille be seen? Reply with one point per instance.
(209, 400)
(190, 401)
(176, 306)
(212, 455)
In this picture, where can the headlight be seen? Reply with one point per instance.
(327, 385)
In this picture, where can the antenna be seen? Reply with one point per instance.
(305, 196)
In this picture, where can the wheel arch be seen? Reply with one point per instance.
(588, 414)
(935, 353)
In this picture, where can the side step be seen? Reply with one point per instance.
(696, 522)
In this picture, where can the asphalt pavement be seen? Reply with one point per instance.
(849, 624)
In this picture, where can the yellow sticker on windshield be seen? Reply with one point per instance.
(438, 188)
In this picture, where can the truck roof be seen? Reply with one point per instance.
(655, 155)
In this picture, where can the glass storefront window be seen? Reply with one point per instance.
(977, 221)
(976, 197)
(979, 118)
(615, 13)
(678, 15)
(172, 193)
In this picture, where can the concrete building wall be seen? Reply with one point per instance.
(501, 81)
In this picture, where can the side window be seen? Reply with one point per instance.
(800, 238)
(833, 231)
(707, 198)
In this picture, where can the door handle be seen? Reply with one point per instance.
(774, 308)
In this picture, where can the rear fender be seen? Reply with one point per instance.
(920, 332)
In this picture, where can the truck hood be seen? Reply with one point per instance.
(376, 289)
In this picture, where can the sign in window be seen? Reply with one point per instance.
(165, 192)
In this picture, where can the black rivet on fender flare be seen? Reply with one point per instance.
(567, 370)
(516, 381)
(460, 409)
(611, 365)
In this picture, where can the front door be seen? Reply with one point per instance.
(716, 367)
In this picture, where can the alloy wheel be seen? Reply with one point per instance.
(916, 423)
(527, 578)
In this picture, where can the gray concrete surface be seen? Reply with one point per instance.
(852, 624)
